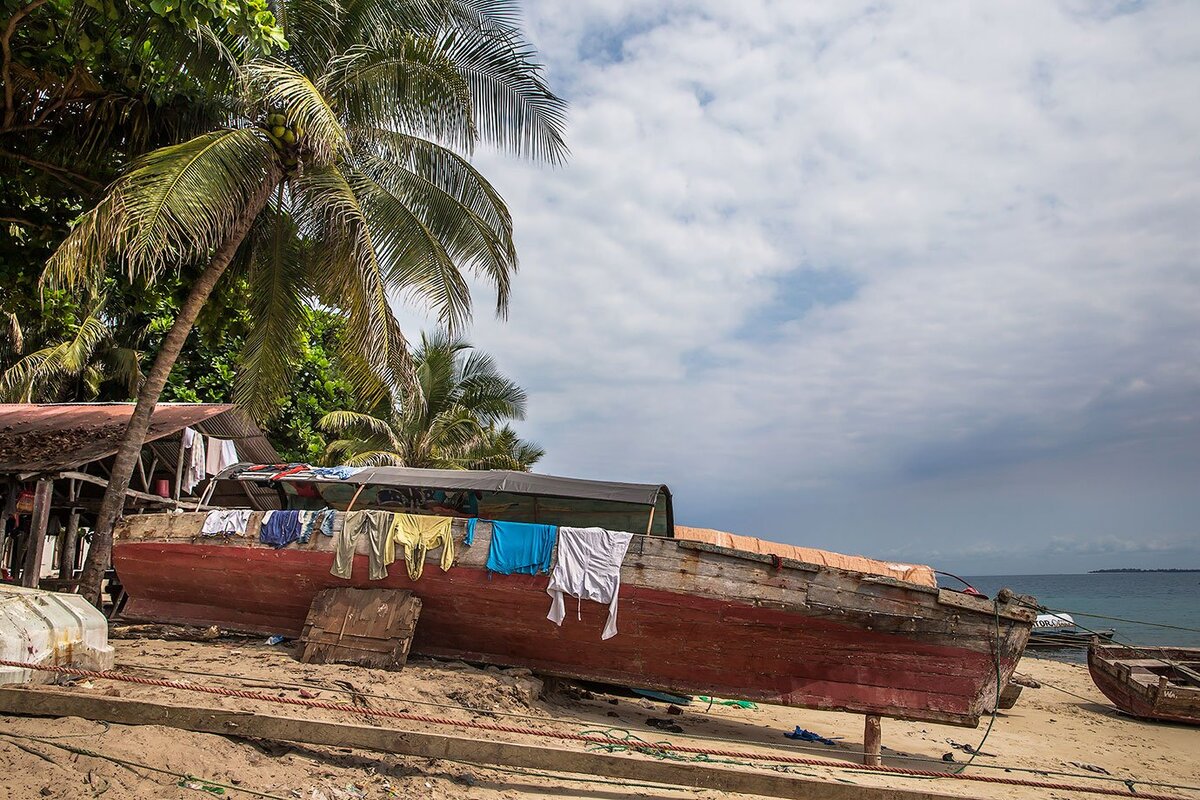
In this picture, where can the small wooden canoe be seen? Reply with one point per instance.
(1160, 683)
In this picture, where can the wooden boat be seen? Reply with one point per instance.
(694, 618)
(1160, 683)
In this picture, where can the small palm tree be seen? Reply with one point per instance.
(341, 176)
(446, 421)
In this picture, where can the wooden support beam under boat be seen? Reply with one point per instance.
(473, 750)
(872, 741)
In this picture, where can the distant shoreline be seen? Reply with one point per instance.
(1131, 569)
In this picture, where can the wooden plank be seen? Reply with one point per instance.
(474, 750)
(369, 627)
(31, 569)
(135, 494)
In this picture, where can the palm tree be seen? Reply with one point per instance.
(447, 421)
(341, 176)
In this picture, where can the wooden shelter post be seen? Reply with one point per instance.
(31, 569)
(872, 742)
(11, 488)
(177, 489)
(70, 537)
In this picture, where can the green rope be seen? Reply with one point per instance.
(746, 704)
(627, 741)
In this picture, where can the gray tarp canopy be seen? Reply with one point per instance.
(498, 480)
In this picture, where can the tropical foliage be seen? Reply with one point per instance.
(339, 174)
(78, 366)
(453, 419)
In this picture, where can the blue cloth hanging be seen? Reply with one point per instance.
(280, 529)
(520, 547)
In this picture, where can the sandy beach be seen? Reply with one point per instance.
(1063, 727)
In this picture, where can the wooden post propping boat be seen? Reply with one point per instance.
(1160, 683)
(695, 618)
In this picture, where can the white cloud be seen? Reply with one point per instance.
(1004, 198)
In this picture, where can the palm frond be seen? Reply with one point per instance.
(407, 83)
(175, 204)
(375, 458)
(502, 449)
(514, 107)
(125, 364)
(36, 373)
(275, 85)
(280, 285)
(453, 202)
(357, 424)
(14, 335)
(416, 259)
(349, 261)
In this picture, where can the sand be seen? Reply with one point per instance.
(1050, 730)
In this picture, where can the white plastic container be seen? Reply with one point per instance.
(43, 627)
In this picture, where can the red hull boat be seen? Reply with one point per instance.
(694, 618)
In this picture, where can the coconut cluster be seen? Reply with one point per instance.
(285, 134)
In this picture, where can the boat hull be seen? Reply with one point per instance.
(692, 619)
(1136, 681)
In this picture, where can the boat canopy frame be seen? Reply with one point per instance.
(651, 495)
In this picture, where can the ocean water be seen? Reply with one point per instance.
(1166, 598)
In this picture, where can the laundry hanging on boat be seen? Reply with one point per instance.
(589, 568)
(521, 547)
(221, 454)
(312, 521)
(223, 521)
(193, 460)
(281, 528)
(418, 534)
(376, 526)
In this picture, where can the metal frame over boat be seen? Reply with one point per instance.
(694, 617)
(1159, 683)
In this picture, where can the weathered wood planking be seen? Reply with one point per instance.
(368, 627)
(1142, 683)
(473, 750)
(692, 619)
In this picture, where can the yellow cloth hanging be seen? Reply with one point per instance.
(418, 534)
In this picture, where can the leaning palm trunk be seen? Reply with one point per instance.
(100, 553)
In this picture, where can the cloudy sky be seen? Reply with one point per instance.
(913, 280)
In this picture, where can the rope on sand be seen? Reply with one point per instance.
(587, 739)
(183, 778)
